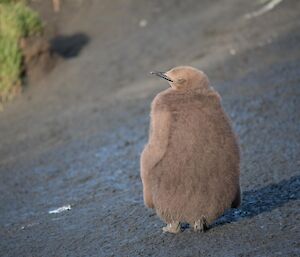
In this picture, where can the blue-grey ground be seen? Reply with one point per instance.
(75, 136)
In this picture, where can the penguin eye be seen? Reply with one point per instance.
(181, 80)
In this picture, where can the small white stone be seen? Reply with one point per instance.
(60, 209)
(143, 23)
(232, 51)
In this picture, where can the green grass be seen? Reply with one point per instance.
(17, 21)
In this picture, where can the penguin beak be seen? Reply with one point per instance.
(161, 74)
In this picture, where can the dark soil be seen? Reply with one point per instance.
(38, 58)
(75, 138)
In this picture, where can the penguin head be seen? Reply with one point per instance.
(185, 78)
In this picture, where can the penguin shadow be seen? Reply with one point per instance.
(265, 199)
(69, 46)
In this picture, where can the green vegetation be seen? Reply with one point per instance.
(17, 21)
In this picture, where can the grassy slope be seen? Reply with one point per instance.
(16, 22)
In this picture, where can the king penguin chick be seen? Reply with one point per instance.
(190, 166)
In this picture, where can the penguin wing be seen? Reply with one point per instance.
(158, 138)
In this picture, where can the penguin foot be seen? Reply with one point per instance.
(200, 225)
(172, 228)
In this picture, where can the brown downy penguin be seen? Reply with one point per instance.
(190, 167)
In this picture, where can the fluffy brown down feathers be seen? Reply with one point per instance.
(190, 166)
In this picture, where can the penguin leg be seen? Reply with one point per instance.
(200, 225)
(172, 228)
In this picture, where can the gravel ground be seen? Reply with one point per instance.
(74, 137)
